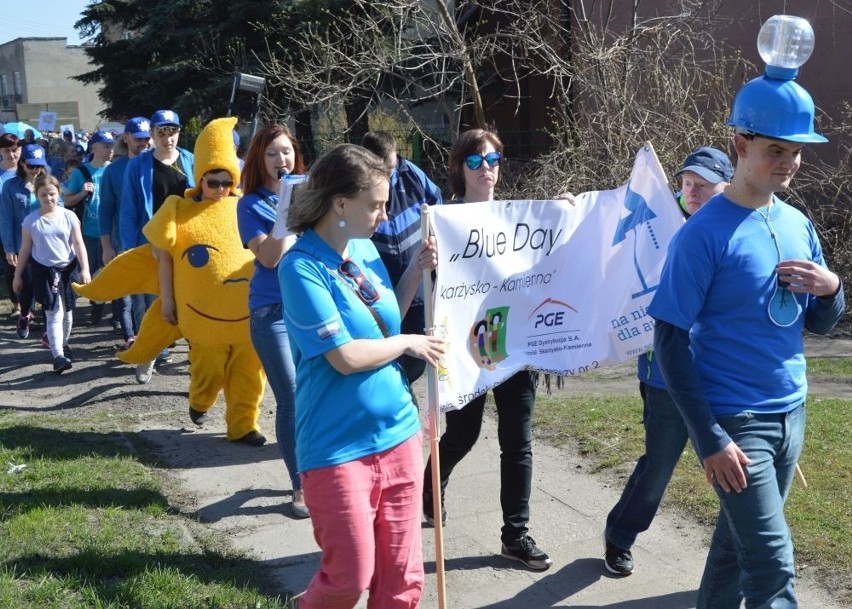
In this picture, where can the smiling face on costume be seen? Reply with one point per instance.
(279, 156)
(480, 183)
(365, 212)
(219, 188)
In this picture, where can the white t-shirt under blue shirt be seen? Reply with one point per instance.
(717, 282)
(340, 418)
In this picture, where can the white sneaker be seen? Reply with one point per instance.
(144, 372)
(300, 510)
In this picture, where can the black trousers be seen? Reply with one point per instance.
(515, 401)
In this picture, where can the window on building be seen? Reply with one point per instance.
(16, 77)
(4, 85)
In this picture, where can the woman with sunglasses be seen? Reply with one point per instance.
(358, 439)
(273, 152)
(204, 275)
(474, 172)
(17, 201)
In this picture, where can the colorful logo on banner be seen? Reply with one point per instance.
(487, 340)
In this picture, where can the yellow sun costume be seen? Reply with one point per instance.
(211, 278)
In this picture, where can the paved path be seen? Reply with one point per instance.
(245, 493)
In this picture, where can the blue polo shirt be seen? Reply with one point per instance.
(340, 418)
(256, 214)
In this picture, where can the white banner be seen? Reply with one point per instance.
(549, 286)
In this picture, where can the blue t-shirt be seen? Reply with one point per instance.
(256, 216)
(91, 226)
(340, 418)
(717, 281)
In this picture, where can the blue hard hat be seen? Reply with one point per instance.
(776, 108)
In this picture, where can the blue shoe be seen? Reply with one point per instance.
(164, 357)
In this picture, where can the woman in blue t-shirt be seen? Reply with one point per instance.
(358, 437)
(273, 152)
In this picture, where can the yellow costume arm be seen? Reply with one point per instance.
(133, 272)
(154, 336)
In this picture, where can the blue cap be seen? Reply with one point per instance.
(33, 154)
(711, 164)
(165, 117)
(138, 126)
(102, 137)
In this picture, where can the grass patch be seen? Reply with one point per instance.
(830, 367)
(607, 430)
(86, 524)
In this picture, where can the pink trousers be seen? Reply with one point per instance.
(366, 519)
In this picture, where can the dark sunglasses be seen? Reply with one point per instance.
(167, 130)
(366, 290)
(219, 183)
(33, 167)
(474, 161)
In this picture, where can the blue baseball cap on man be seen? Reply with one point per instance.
(33, 154)
(101, 137)
(138, 127)
(161, 118)
(711, 164)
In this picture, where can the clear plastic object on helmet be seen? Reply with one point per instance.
(773, 105)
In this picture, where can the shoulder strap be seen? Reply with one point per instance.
(80, 209)
(375, 315)
(87, 175)
(379, 322)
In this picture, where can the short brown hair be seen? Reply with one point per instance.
(469, 142)
(10, 140)
(345, 170)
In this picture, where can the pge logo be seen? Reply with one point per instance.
(551, 314)
(487, 339)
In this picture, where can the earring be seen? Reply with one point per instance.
(342, 223)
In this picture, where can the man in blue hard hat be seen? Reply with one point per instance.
(742, 279)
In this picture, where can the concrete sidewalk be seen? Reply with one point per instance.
(244, 492)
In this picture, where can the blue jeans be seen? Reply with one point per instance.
(122, 311)
(751, 555)
(665, 439)
(272, 344)
(139, 305)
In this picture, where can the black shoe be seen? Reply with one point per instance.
(428, 510)
(67, 351)
(61, 364)
(198, 417)
(526, 551)
(618, 560)
(253, 438)
(24, 326)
